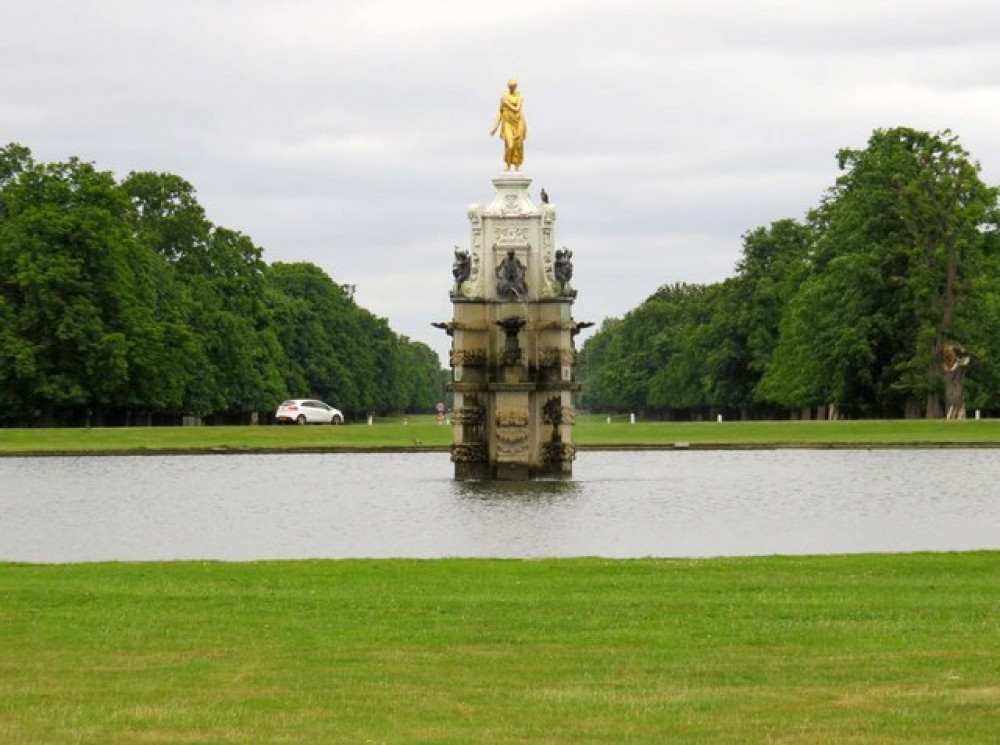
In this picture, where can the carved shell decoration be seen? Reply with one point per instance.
(514, 440)
(468, 452)
(555, 357)
(554, 452)
(511, 205)
(468, 357)
(512, 419)
(559, 415)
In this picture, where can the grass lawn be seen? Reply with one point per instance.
(856, 649)
(422, 432)
(386, 434)
(596, 431)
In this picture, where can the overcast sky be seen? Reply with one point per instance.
(354, 135)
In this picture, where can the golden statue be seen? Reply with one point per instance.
(512, 126)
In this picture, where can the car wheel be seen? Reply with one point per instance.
(301, 419)
(336, 419)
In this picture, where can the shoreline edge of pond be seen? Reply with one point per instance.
(670, 447)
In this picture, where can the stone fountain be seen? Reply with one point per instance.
(512, 355)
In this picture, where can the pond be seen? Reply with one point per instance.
(619, 504)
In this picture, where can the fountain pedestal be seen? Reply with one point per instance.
(513, 355)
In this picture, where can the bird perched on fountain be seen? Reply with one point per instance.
(545, 197)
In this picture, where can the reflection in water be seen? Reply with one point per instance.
(621, 504)
(524, 493)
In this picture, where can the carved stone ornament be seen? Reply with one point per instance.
(564, 265)
(468, 452)
(511, 205)
(512, 440)
(555, 357)
(467, 415)
(512, 234)
(554, 413)
(512, 357)
(511, 277)
(558, 452)
(562, 270)
(468, 357)
(512, 419)
(474, 273)
(461, 268)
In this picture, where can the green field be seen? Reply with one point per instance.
(423, 433)
(936, 432)
(854, 649)
(419, 432)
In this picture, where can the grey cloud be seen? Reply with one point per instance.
(354, 135)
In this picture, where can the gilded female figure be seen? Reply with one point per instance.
(512, 126)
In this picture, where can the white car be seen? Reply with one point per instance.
(307, 411)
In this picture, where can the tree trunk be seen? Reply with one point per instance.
(934, 410)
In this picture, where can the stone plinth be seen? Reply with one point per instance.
(513, 356)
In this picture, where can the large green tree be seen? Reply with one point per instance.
(340, 352)
(321, 345)
(691, 350)
(898, 241)
(652, 359)
(866, 306)
(233, 357)
(88, 325)
(122, 303)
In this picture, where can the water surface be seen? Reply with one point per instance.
(619, 504)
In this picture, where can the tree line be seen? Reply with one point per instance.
(121, 303)
(883, 302)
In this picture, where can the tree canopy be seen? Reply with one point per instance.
(120, 302)
(860, 310)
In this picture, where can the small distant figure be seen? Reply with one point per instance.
(545, 196)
